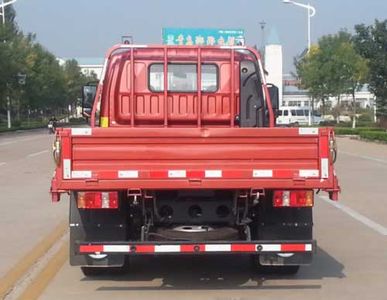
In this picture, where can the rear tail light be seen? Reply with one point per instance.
(295, 198)
(97, 200)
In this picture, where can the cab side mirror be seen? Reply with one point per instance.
(88, 97)
(274, 96)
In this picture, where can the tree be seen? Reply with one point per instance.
(49, 87)
(8, 66)
(308, 71)
(355, 70)
(75, 79)
(332, 68)
(371, 43)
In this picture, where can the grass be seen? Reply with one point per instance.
(374, 136)
(356, 131)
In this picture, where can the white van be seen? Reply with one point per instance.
(289, 115)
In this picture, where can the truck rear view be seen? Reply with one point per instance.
(183, 157)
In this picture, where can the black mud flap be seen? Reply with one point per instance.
(285, 224)
(96, 225)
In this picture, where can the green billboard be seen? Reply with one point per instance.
(203, 36)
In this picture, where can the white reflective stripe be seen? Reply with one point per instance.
(207, 247)
(128, 174)
(324, 168)
(308, 247)
(167, 248)
(67, 168)
(271, 248)
(116, 248)
(81, 131)
(80, 174)
(218, 248)
(309, 173)
(308, 131)
(177, 173)
(262, 173)
(213, 173)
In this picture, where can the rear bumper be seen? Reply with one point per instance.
(199, 248)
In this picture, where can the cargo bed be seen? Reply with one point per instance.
(194, 158)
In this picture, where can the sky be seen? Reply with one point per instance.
(87, 28)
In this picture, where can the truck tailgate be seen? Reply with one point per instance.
(192, 158)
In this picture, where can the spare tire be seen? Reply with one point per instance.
(214, 234)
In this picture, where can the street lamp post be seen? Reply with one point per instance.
(311, 13)
(3, 6)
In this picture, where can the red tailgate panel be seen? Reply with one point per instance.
(191, 158)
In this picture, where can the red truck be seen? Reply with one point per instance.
(183, 157)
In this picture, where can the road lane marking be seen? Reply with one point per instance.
(37, 153)
(12, 276)
(42, 280)
(364, 157)
(357, 216)
(2, 164)
(19, 140)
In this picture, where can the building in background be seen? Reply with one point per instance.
(293, 95)
(90, 65)
(289, 87)
(274, 62)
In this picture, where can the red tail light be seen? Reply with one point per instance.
(295, 198)
(97, 200)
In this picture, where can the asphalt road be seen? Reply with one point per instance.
(26, 212)
(351, 261)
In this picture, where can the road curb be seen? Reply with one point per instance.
(8, 281)
(41, 281)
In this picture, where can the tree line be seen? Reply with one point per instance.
(342, 63)
(32, 81)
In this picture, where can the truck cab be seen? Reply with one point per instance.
(182, 156)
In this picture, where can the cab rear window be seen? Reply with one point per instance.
(183, 78)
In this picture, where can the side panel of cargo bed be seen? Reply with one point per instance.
(194, 158)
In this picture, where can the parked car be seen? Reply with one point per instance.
(289, 115)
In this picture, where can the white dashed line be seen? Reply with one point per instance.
(37, 153)
(364, 157)
(357, 216)
(14, 141)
